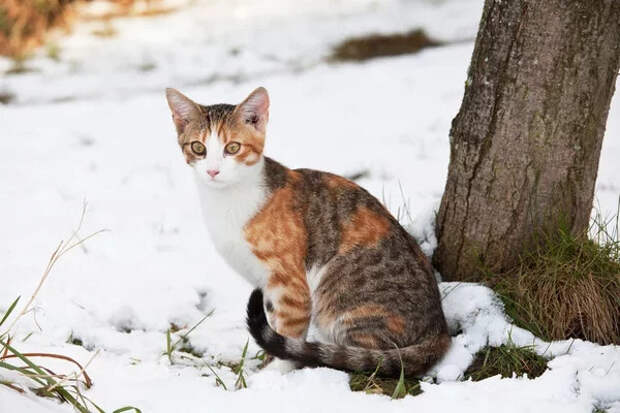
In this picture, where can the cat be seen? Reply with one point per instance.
(323, 253)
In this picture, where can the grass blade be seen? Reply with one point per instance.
(218, 380)
(21, 370)
(62, 392)
(240, 383)
(169, 347)
(87, 379)
(126, 409)
(8, 312)
(184, 336)
(401, 390)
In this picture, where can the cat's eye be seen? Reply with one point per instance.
(232, 148)
(198, 148)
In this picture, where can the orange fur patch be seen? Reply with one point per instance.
(364, 311)
(365, 340)
(393, 322)
(364, 228)
(252, 141)
(192, 134)
(278, 238)
(298, 321)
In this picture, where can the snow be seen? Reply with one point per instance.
(95, 126)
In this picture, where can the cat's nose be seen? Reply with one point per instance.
(212, 172)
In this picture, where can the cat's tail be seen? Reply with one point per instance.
(415, 359)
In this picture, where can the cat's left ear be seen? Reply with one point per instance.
(254, 110)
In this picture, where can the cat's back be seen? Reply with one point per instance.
(340, 216)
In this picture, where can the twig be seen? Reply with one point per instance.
(184, 336)
(58, 356)
(81, 372)
(12, 386)
(62, 249)
(36, 291)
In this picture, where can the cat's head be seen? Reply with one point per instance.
(223, 143)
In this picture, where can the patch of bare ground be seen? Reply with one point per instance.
(367, 47)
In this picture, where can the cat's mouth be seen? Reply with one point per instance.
(214, 182)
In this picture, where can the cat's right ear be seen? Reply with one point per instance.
(184, 110)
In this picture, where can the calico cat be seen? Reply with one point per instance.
(324, 254)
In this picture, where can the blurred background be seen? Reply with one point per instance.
(138, 45)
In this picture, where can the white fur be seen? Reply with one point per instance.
(231, 173)
(228, 202)
(314, 277)
(273, 295)
(282, 366)
(323, 333)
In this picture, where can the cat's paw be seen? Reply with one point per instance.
(282, 366)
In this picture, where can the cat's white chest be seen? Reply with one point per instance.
(226, 212)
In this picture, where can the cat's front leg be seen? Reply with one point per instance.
(288, 309)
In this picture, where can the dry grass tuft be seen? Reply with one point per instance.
(569, 286)
(25, 23)
(378, 45)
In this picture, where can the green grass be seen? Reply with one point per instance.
(568, 286)
(182, 349)
(41, 380)
(240, 382)
(370, 383)
(395, 388)
(182, 343)
(76, 341)
(506, 360)
(45, 383)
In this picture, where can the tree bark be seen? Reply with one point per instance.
(525, 144)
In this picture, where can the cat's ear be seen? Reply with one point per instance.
(184, 110)
(254, 110)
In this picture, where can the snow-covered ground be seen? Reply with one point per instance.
(95, 126)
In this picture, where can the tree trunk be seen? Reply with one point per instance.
(525, 144)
